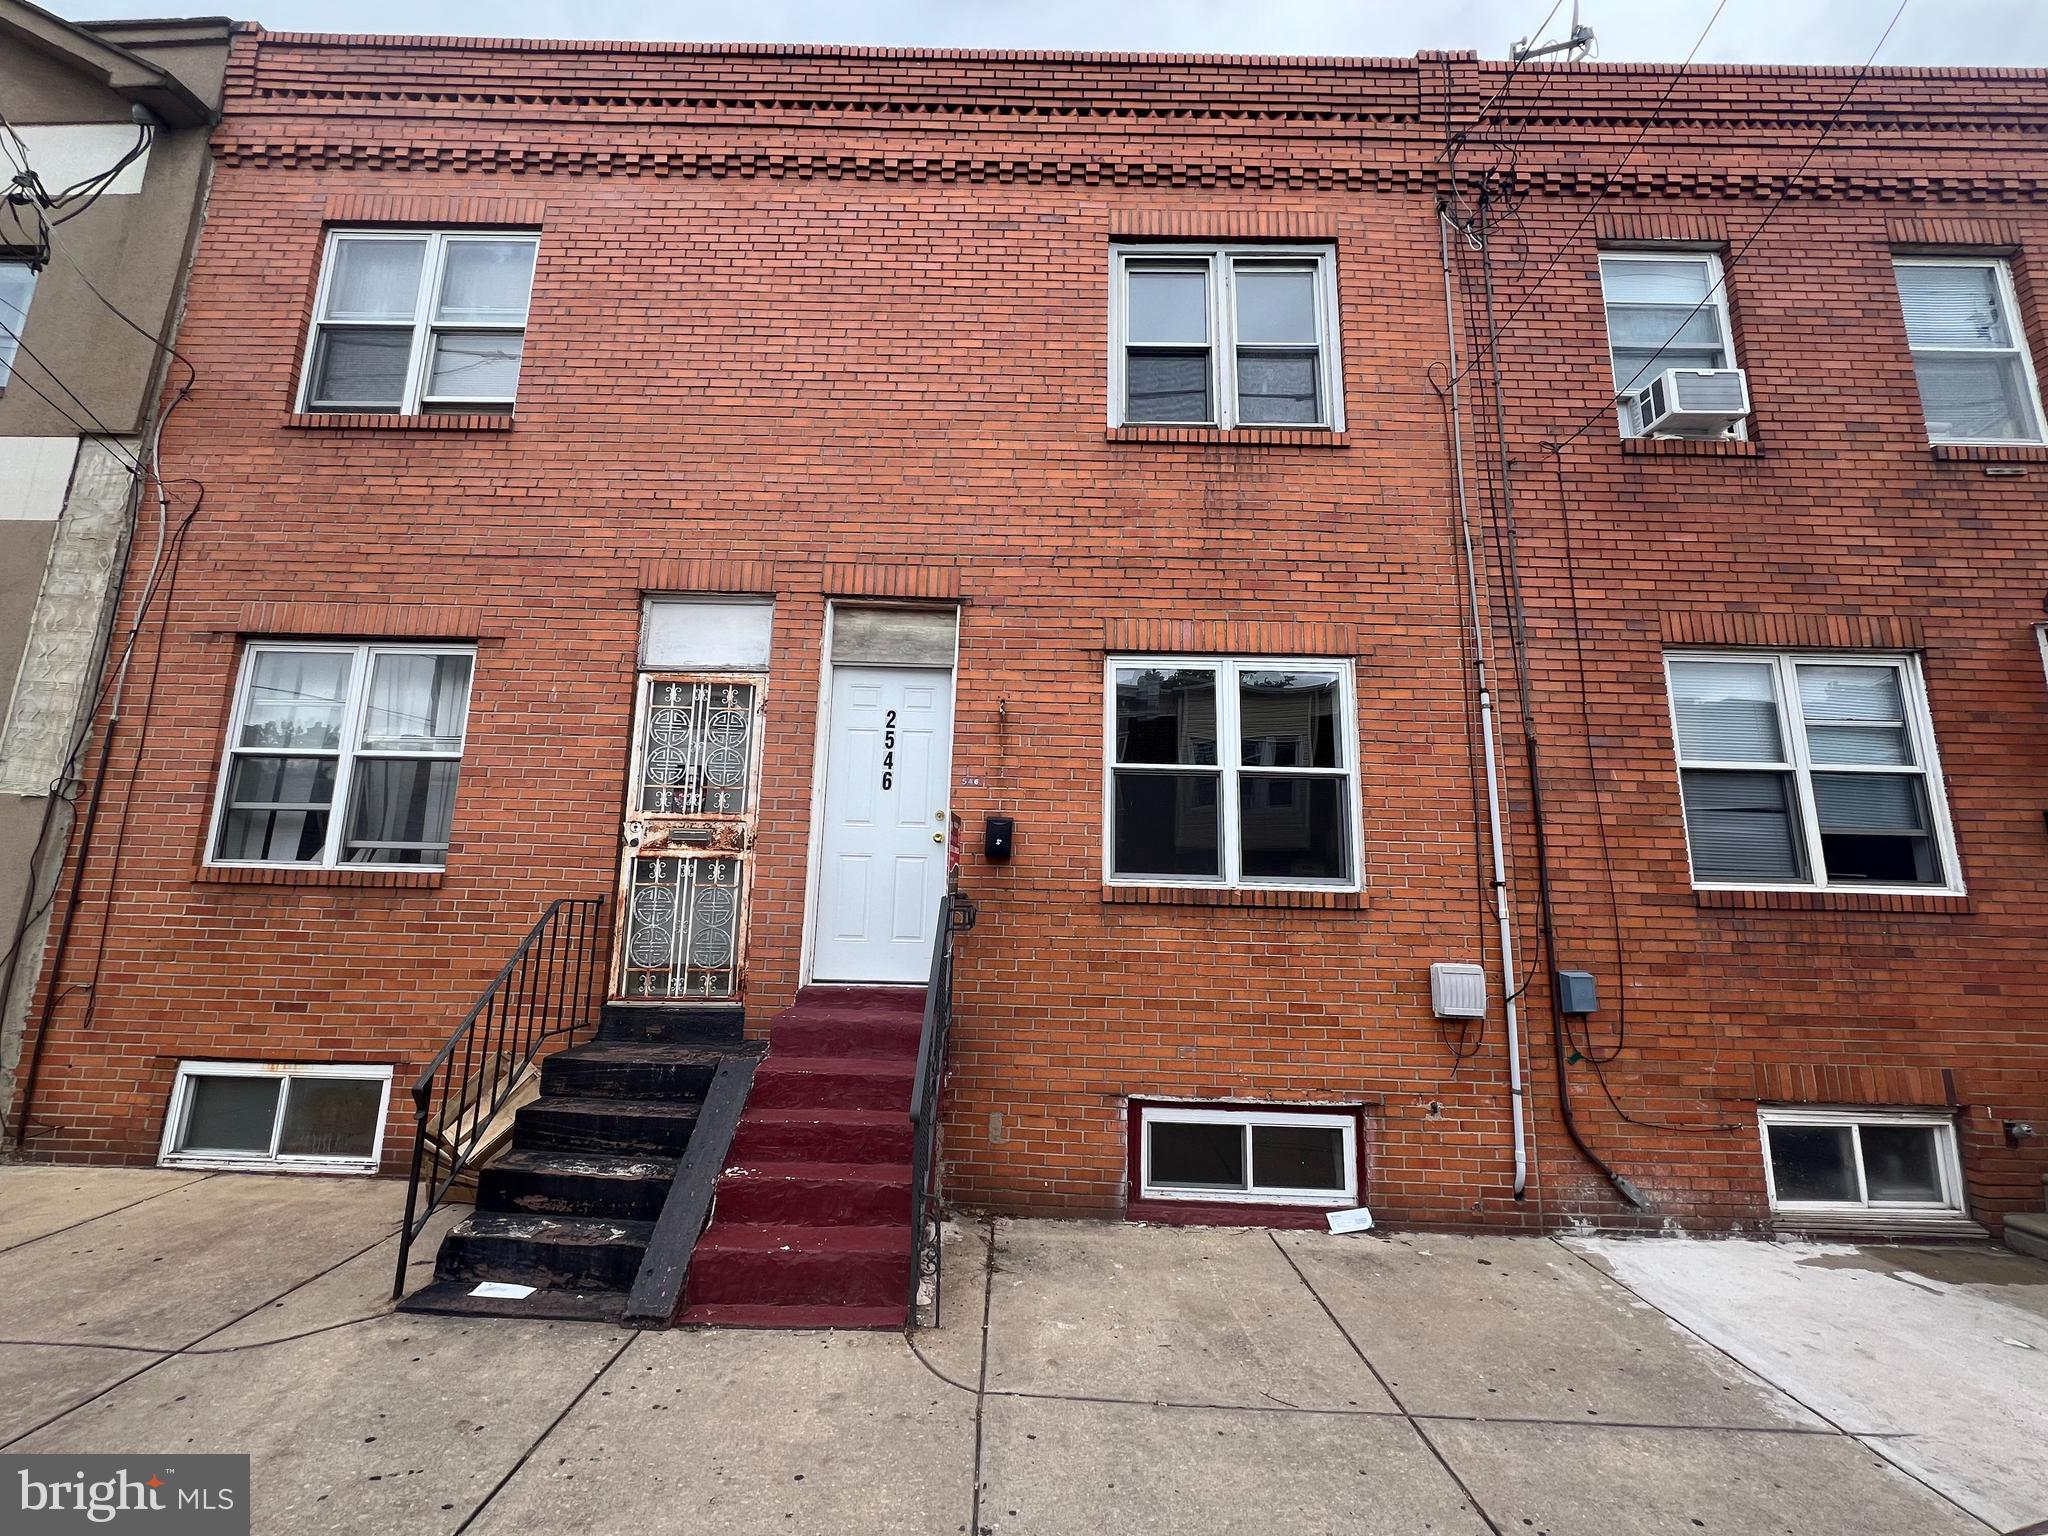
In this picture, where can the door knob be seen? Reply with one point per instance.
(938, 837)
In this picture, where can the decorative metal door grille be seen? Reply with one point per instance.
(690, 837)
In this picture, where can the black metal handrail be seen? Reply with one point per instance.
(956, 916)
(552, 986)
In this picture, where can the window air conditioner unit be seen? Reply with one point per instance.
(1692, 402)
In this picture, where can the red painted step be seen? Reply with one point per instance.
(801, 1266)
(833, 1082)
(821, 1136)
(816, 1194)
(720, 1315)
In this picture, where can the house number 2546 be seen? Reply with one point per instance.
(889, 752)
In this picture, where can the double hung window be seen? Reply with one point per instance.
(343, 754)
(1969, 352)
(1665, 309)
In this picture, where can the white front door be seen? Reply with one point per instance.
(882, 863)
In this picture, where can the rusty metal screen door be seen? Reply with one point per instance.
(689, 851)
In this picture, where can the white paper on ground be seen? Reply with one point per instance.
(499, 1290)
(1358, 1219)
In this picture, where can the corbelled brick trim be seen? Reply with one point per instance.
(1954, 234)
(852, 578)
(679, 575)
(1246, 224)
(1185, 896)
(374, 879)
(373, 621)
(362, 421)
(1660, 228)
(1831, 901)
(1229, 637)
(393, 208)
(1787, 1084)
(1808, 631)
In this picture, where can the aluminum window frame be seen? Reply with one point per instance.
(1229, 771)
(1221, 260)
(1717, 303)
(2008, 296)
(1919, 726)
(364, 654)
(425, 328)
(178, 1114)
(1338, 1117)
(1948, 1156)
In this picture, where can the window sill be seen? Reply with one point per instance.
(1691, 447)
(1213, 896)
(1220, 1213)
(1287, 437)
(370, 878)
(1835, 901)
(1989, 453)
(1861, 1222)
(364, 421)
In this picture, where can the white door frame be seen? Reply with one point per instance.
(821, 760)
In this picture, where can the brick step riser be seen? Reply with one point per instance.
(684, 1082)
(540, 1130)
(814, 1203)
(719, 1275)
(884, 1040)
(712, 1024)
(569, 1266)
(800, 1142)
(570, 1194)
(827, 1090)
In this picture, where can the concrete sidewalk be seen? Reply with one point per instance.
(1086, 1377)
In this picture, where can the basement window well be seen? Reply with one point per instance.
(1246, 1156)
(1861, 1160)
(237, 1114)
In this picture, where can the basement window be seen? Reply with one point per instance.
(1875, 1160)
(232, 1114)
(372, 732)
(409, 322)
(1248, 1156)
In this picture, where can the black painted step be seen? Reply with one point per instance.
(577, 1184)
(568, 1252)
(675, 1023)
(614, 1069)
(453, 1298)
(572, 1124)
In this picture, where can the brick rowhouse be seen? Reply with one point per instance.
(828, 326)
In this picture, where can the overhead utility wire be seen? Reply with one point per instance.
(1452, 142)
(1607, 184)
(1714, 288)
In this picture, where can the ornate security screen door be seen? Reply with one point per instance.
(690, 837)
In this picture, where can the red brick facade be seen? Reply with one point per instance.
(829, 324)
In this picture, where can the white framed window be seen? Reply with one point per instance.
(408, 321)
(1876, 1160)
(1230, 772)
(1969, 349)
(1224, 336)
(17, 287)
(239, 1114)
(1665, 309)
(342, 754)
(1247, 1155)
(1809, 772)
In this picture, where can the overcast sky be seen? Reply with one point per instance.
(2008, 32)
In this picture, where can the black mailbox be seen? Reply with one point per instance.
(998, 839)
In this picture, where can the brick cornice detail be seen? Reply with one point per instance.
(366, 621)
(1794, 631)
(860, 578)
(698, 575)
(1227, 637)
(413, 208)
